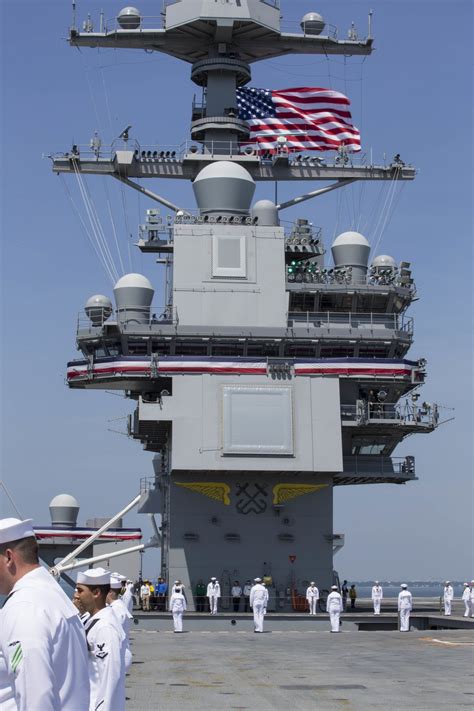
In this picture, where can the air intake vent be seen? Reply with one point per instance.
(232, 537)
(286, 537)
(191, 536)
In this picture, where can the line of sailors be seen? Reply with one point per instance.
(258, 601)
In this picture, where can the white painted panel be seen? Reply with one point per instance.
(257, 420)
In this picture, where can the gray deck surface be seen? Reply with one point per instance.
(297, 667)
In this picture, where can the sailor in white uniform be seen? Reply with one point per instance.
(334, 607)
(471, 588)
(127, 596)
(448, 597)
(312, 596)
(405, 606)
(177, 608)
(122, 614)
(43, 652)
(105, 641)
(258, 603)
(466, 598)
(377, 595)
(213, 594)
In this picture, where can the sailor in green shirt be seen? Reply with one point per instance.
(200, 596)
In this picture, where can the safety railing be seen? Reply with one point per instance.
(177, 152)
(147, 483)
(366, 465)
(95, 318)
(349, 319)
(401, 413)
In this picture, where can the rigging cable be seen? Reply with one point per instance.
(95, 225)
(113, 224)
(103, 263)
(386, 210)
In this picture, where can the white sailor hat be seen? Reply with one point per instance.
(466, 585)
(312, 582)
(176, 582)
(333, 587)
(213, 578)
(119, 576)
(447, 582)
(93, 577)
(403, 585)
(377, 582)
(257, 580)
(115, 582)
(12, 529)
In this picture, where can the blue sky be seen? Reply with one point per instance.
(412, 96)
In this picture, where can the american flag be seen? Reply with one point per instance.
(311, 119)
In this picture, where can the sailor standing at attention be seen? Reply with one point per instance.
(105, 642)
(466, 598)
(213, 594)
(405, 606)
(377, 595)
(312, 596)
(127, 595)
(177, 608)
(471, 588)
(258, 603)
(448, 596)
(43, 652)
(334, 606)
(122, 614)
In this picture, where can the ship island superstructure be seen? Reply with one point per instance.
(272, 373)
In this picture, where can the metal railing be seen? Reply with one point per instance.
(349, 319)
(401, 413)
(366, 464)
(96, 317)
(176, 152)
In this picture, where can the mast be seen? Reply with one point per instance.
(269, 376)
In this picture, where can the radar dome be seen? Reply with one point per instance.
(224, 187)
(351, 249)
(133, 296)
(98, 308)
(63, 510)
(129, 18)
(265, 213)
(384, 260)
(312, 23)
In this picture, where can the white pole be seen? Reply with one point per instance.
(98, 558)
(55, 569)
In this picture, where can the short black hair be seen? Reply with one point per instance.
(27, 547)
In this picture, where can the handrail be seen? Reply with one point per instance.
(402, 413)
(330, 319)
(96, 317)
(378, 464)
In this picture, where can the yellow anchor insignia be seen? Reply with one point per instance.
(213, 489)
(285, 492)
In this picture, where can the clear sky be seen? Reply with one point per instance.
(412, 96)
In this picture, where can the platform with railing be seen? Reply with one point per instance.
(403, 414)
(375, 469)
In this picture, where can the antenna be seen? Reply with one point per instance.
(369, 36)
(74, 14)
